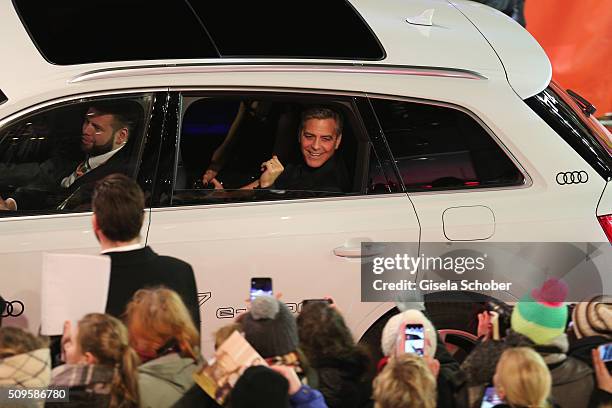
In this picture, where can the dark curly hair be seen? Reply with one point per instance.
(324, 334)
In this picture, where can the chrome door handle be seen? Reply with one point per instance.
(353, 249)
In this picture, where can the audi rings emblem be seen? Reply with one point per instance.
(572, 177)
(13, 309)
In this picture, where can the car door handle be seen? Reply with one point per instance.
(353, 249)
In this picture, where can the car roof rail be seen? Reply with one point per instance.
(204, 68)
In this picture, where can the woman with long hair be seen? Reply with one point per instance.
(522, 379)
(100, 368)
(345, 369)
(164, 336)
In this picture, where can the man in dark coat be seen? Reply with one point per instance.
(107, 128)
(319, 136)
(118, 213)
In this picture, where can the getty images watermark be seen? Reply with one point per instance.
(391, 270)
(410, 264)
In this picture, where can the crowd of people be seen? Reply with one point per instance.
(145, 350)
(148, 359)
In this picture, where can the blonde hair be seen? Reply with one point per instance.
(406, 381)
(106, 338)
(523, 377)
(224, 332)
(165, 317)
(14, 340)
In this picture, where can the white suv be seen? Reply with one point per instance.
(453, 132)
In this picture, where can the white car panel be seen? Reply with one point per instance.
(292, 242)
(528, 68)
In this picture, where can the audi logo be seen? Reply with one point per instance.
(13, 309)
(572, 177)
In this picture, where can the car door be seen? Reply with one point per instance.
(64, 224)
(309, 244)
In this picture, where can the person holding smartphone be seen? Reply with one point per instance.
(411, 333)
(269, 326)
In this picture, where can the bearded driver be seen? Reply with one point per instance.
(107, 127)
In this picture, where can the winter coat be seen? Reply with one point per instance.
(345, 382)
(307, 397)
(572, 383)
(164, 380)
(27, 370)
(89, 385)
(572, 380)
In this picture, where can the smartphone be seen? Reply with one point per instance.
(414, 339)
(490, 398)
(261, 286)
(307, 301)
(605, 352)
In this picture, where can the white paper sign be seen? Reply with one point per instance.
(72, 286)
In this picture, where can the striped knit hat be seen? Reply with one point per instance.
(541, 315)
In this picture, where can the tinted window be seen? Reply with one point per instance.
(230, 137)
(586, 138)
(75, 31)
(124, 30)
(437, 147)
(50, 160)
(3, 97)
(316, 28)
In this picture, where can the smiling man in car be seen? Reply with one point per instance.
(320, 135)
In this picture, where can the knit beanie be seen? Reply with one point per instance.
(390, 333)
(593, 317)
(261, 387)
(541, 315)
(270, 327)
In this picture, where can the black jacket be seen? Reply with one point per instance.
(46, 193)
(142, 268)
(346, 382)
(331, 177)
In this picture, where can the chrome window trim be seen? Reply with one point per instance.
(212, 68)
(279, 202)
(88, 214)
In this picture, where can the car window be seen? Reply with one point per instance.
(230, 137)
(50, 159)
(167, 29)
(438, 148)
(277, 28)
(584, 134)
(149, 30)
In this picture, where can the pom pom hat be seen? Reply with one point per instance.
(541, 315)
(270, 327)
